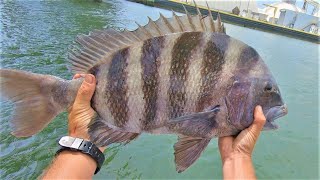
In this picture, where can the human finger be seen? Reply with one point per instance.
(258, 123)
(259, 120)
(76, 76)
(86, 90)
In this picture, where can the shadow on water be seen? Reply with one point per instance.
(35, 36)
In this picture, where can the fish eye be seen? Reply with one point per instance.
(268, 87)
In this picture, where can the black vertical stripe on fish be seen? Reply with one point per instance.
(221, 41)
(248, 57)
(94, 70)
(194, 76)
(150, 63)
(212, 63)
(116, 89)
(181, 55)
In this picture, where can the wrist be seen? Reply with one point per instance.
(76, 165)
(237, 156)
(85, 136)
(82, 135)
(238, 166)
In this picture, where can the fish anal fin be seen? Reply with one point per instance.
(187, 150)
(103, 135)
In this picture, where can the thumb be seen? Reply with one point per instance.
(86, 90)
(258, 122)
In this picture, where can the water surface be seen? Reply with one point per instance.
(35, 36)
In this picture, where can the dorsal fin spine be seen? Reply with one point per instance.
(178, 20)
(199, 15)
(146, 32)
(155, 26)
(90, 54)
(114, 41)
(218, 22)
(96, 44)
(90, 47)
(185, 9)
(99, 38)
(211, 17)
(203, 25)
(118, 36)
(167, 23)
(73, 55)
(197, 8)
(125, 37)
(82, 57)
(110, 42)
(76, 62)
(85, 57)
(133, 35)
(189, 18)
(128, 35)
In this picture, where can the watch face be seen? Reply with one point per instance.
(70, 142)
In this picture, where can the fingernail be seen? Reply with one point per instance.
(89, 79)
(259, 108)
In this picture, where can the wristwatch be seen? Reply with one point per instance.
(81, 145)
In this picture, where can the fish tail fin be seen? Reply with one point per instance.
(37, 99)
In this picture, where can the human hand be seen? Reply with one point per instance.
(80, 115)
(243, 144)
(81, 112)
(236, 151)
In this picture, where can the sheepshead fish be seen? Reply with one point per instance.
(181, 75)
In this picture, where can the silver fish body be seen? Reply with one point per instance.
(180, 75)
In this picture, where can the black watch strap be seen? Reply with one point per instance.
(81, 145)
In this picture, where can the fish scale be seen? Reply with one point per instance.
(181, 75)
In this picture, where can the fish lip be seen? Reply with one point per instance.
(276, 112)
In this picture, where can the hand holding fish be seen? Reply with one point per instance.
(80, 114)
(236, 151)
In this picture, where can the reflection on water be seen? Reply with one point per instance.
(35, 36)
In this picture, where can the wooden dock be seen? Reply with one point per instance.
(234, 19)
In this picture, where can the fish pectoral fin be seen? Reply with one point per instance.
(195, 125)
(102, 135)
(187, 150)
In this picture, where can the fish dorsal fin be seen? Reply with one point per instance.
(99, 44)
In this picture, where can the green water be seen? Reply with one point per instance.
(35, 36)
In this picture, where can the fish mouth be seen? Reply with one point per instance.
(273, 114)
